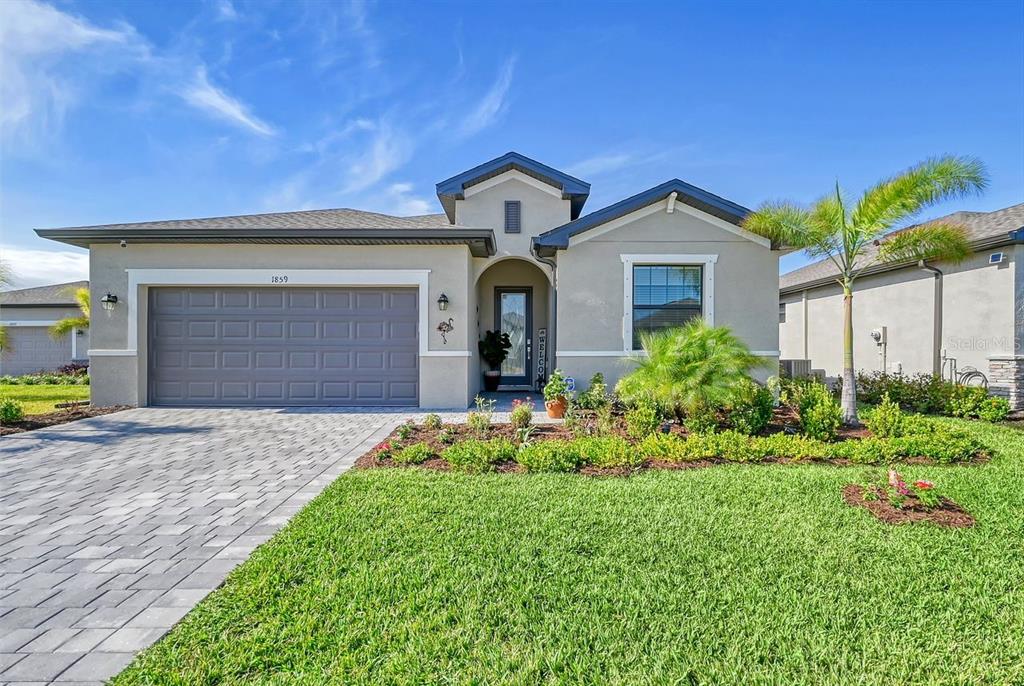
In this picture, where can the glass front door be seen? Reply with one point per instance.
(514, 316)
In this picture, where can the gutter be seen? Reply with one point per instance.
(936, 317)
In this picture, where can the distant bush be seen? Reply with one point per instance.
(975, 403)
(819, 412)
(475, 456)
(643, 419)
(549, 456)
(11, 410)
(596, 394)
(611, 451)
(432, 421)
(46, 379)
(415, 453)
(751, 408)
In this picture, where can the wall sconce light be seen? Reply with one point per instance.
(109, 301)
(442, 302)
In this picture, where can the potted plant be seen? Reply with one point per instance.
(556, 394)
(494, 347)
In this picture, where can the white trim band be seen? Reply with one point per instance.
(101, 352)
(28, 322)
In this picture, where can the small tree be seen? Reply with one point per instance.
(69, 324)
(841, 231)
(6, 278)
(688, 369)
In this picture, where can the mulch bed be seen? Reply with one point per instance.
(947, 513)
(42, 421)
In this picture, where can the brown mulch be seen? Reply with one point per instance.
(71, 414)
(946, 513)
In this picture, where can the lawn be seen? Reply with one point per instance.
(734, 574)
(40, 399)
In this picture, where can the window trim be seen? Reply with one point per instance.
(519, 211)
(707, 287)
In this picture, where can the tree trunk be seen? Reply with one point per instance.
(849, 398)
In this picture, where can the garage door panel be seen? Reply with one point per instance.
(288, 346)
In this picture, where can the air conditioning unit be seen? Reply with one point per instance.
(997, 257)
(795, 369)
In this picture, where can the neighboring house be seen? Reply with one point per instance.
(27, 314)
(342, 307)
(913, 319)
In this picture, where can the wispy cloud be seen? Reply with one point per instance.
(399, 200)
(226, 10)
(383, 152)
(600, 164)
(493, 104)
(39, 267)
(202, 94)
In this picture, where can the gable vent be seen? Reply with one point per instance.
(513, 216)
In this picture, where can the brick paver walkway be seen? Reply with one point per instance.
(113, 528)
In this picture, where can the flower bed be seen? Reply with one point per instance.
(897, 502)
(591, 446)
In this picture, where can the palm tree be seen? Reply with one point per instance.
(845, 233)
(69, 324)
(688, 368)
(6, 278)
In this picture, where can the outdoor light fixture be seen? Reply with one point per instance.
(442, 302)
(109, 301)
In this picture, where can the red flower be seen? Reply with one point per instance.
(924, 485)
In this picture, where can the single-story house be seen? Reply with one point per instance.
(27, 314)
(910, 318)
(344, 307)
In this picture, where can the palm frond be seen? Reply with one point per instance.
(6, 274)
(68, 325)
(901, 197)
(5, 339)
(933, 241)
(783, 223)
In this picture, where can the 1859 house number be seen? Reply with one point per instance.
(279, 278)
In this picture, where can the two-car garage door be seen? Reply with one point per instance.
(213, 346)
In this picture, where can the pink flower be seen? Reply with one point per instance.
(897, 483)
(924, 485)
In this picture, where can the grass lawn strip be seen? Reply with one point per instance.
(40, 398)
(733, 575)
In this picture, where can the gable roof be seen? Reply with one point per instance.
(573, 190)
(984, 230)
(336, 226)
(558, 238)
(53, 295)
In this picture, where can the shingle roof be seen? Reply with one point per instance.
(981, 226)
(343, 218)
(59, 294)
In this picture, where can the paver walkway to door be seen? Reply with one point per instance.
(113, 528)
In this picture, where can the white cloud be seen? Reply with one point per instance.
(226, 10)
(41, 267)
(600, 164)
(205, 96)
(400, 201)
(35, 40)
(493, 104)
(386, 150)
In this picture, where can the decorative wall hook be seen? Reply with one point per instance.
(446, 328)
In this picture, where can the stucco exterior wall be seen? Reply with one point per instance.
(590, 288)
(22, 317)
(978, 318)
(121, 374)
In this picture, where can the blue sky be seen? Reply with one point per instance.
(128, 111)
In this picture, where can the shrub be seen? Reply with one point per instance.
(918, 393)
(405, 431)
(701, 419)
(975, 402)
(662, 447)
(474, 456)
(414, 453)
(605, 424)
(886, 420)
(446, 435)
(480, 420)
(692, 366)
(11, 410)
(595, 396)
(522, 413)
(751, 408)
(994, 409)
(643, 419)
(792, 447)
(549, 456)
(432, 421)
(820, 413)
(611, 451)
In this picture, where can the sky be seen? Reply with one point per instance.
(133, 111)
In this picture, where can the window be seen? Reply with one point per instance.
(782, 313)
(665, 296)
(513, 216)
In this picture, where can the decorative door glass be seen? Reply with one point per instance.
(513, 321)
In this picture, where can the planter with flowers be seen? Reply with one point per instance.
(896, 501)
(556, 394)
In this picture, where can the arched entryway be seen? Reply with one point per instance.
(513, 296)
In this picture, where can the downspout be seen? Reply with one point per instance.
(937, 318)
(552, 306)
(806, 327)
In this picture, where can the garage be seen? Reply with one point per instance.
(288, 346)
(32, 349)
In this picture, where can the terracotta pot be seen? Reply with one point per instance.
(556, 407)
(492, 379)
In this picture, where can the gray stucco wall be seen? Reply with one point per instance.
(31, 348)
(978, 318)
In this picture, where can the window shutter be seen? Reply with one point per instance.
(513, 216)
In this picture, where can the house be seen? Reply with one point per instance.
(344, 307)
(27, 314)
(910, 318)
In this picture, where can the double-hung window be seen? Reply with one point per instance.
(665, 296)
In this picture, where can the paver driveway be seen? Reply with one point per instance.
(112, 528)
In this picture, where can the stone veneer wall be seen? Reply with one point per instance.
(1006, 378)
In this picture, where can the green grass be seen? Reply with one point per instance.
(730, 575)
(41, 399)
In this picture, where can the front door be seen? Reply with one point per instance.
(513, 314)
